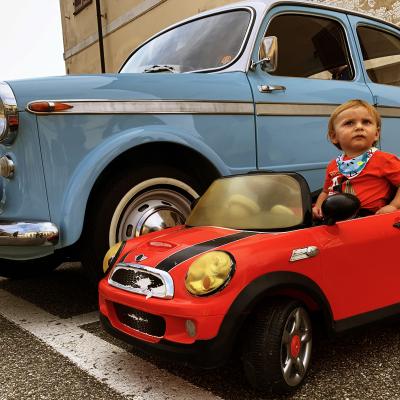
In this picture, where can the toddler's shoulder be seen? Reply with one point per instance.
(383, 155)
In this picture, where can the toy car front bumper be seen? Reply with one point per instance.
(203, 353)
(36, 233)
(161, 326)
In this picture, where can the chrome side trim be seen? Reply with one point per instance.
(28, 233)
(292, 109)
(199, 107)
(8, 114)
(145, 291)
(150, 107)
(389, 112)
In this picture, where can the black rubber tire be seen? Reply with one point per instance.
(262, 347)
(29, 268)
(95, 240)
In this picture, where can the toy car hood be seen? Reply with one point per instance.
(166, 251)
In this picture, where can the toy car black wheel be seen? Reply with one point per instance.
(277, 350)
(135, 202)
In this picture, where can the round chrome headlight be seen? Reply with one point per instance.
(8, 114)
(112, 255)
(209, 273)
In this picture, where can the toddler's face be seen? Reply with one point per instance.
(355, 130)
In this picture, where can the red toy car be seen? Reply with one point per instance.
(248, 269)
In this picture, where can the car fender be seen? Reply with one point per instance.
(90, 168)
(254, 293)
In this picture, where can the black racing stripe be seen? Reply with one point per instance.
(199, 248)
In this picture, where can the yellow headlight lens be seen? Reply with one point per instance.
(110, 257)
(209, 272)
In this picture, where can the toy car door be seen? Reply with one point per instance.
(360, 267)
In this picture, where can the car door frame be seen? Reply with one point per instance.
(274, 104)
(388, 104)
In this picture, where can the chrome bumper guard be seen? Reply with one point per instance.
(28, 233)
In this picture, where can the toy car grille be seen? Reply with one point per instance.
(141, 321)
(142, 280)
(134, 278)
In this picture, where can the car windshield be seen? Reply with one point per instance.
(206, 43)
(252, 202)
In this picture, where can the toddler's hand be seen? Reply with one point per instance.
(386, 209)
(317, 212)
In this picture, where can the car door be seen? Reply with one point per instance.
(379, 47)
(318, 69)
(360, 266)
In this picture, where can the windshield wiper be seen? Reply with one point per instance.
(161, 68)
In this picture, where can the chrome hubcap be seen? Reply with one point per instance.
(152, 211)
(296, 346)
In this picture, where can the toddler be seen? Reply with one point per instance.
(363, 170)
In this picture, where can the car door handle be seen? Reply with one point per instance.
(270, 88)
(397, 225)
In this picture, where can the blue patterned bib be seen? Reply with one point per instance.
(353, 167)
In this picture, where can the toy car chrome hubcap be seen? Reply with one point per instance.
(296, 346)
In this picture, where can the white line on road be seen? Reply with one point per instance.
(125, 373)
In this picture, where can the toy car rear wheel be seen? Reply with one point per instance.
(277, 350)
(137, 201)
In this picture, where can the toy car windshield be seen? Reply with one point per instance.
(251, 202)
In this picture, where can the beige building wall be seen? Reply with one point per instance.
(127, 23)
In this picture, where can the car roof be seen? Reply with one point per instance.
(267, 4)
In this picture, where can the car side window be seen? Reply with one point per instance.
(319, 52)
(381, 55)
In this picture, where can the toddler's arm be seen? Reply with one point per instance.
(394, 205)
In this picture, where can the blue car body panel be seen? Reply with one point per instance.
(234, 124)
(76, 148)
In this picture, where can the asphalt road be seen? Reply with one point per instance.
(52, 347)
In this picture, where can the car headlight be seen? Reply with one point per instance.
(112, 255)
(9, 120)
(209, 273)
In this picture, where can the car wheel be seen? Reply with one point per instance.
(17, 269)
(136, 202)
(277, 350)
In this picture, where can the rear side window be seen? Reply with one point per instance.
(381, 55)
(311, 47)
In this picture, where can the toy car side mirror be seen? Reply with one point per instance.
(340, 207)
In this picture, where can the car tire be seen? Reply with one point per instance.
(277, 349)
(18, 269)
(135, 202)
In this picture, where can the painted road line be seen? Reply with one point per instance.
(125, 373)
(84, 319)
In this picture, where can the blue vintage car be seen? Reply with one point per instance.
(87, 161)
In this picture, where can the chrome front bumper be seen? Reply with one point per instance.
(28, 233)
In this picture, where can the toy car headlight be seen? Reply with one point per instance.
(210, 273)
(112, 255)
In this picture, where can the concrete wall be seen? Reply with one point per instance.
(127, 23)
